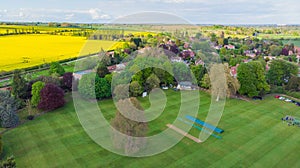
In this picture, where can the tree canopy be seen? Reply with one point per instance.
(280, 72)
(252, 79)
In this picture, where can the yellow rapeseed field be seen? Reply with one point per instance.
(21, 51)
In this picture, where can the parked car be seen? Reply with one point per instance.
(277, 97)
(281, 98)
(288, 100)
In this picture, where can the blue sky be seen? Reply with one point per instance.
(195, 11)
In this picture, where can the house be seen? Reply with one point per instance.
(267, 67)
(218, 47)
(176, 59)
(143, 50)
(252, 55)
(199, 62)
(110, 53)
(233, 71)
(185, 85)
(229, 47)
(6, 88)
(269, 57)
(79, 74)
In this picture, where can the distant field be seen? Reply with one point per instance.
(277, 36)
(21, 51)
(296, 42)
(254, 136)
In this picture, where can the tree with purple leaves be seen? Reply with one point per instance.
(52, 97)
(285, 51)
(67, 81)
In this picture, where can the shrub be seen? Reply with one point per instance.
(52, 97)
(55, 67)
(35, 92)
(67, 81)
(8, 110)
(92, 86)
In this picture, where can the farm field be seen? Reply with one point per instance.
(21, 51)
(254, 137)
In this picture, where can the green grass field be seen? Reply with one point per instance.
(296, 42)
(254, 137)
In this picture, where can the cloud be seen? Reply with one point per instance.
(44, 14)
(97, 14)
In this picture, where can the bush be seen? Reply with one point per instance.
(67, 81)
(56, 68)
(92, 86)
(52, 97)
(277, 89)
(8, 110)
(35, 92)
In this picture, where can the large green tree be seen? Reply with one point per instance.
(92, 86)
(199, 72)
(18, 85)
(102, 70)
(280, 72)
(135, 89)
(293, 84)
(252, 79)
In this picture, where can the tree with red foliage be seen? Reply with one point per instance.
(52, 97)
(285, 51)
(67, 81)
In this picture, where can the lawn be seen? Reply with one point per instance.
(254, 137)
(21, 51)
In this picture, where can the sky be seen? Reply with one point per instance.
(193, 11)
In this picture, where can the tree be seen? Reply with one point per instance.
(205, 82)
(56, 68)
(199, 72)
(181, 71)
(19, 86)
(213, 37)
(36, 93)
(92, 86)
(102, 88)
(8, 110)
(280, 72)
(275, 50)
(135, 89)
(129, 127)
(52, 97)
(102, 70)
(293, 84)
(252, 79)
(233, 84)
(67, 81)
(152, 82)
